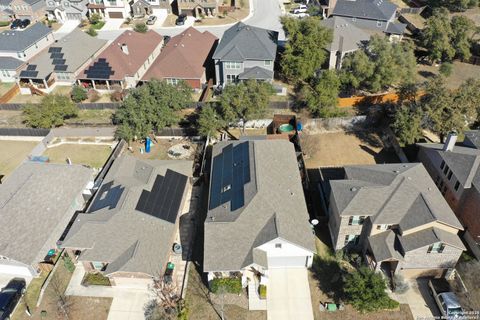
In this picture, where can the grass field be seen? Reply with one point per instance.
(12, 153)
(94, 156)
(159, 150)
(461, 72)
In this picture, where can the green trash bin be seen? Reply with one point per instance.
(332, 307)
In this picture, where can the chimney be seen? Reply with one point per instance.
(450, 142)
(124, 48)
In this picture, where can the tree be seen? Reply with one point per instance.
(462, 29)
(321, 95)
(245, 101)
(365, 290)
(92, 32)
(56, 290)
(408, 123)
(446, 69)
(436, 36)
(140, 27)
(51, 112)
(78, 94)
(303, 55)
(151, 107)
(95, 18)
(379, 65)
(467, 96)
(209, 121)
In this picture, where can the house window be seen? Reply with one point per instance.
(354, 19)
(356, 220)
(379, 23)
(442, 164)
(97, 265)
(457, 184)
(5, 73)
(172, 81)
(233, 65)
(351, 239)
(384, 227)
(450, 175)
(445, 170)
(231, 78)
(278, 245)
(436, 248)
(267, 63)
(62, 76)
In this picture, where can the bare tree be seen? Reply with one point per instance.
(165, 305)
(56, 289)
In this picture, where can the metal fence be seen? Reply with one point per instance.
(177, 132)
(25, 132)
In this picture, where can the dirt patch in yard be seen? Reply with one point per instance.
(336, 149)
(12, 153)
(159, 150)
(461, 72)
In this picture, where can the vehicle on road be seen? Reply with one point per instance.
(300, 9)
(25, 23)
(181, 20)
(15, 24)
(151, 20)
(445, 298)
(9, 297)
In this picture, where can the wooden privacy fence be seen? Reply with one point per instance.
(370, 100)
(12, 92)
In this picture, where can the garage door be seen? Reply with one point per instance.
(116, 15)
(282, 262)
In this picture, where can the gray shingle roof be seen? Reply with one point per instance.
(243, 42)
(36, 204)
(346, 36)
(256, 73)
(463, 161)
(277, 209)
(21, 40)
(385, 246)
(391, 193)
(10, 63)
(114, 231)
(428, 237)
(381, 10)
(396, 28)
(77, 48)
(472, 139)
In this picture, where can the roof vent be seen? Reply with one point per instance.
(353, 189)
(124, 48)
(396, 171)
(409, 178)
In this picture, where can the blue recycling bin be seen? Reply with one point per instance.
(147, 145)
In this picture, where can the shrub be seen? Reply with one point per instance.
(92, 32)
(95, 18)
(93, 95)
(67, 262)
(365, 290)
(78, 94)
(262, 291)
(231, 285)
(95, 279)
(140, 27)
(116, 96)
(4, 23)
(446, 69)
(51, 112)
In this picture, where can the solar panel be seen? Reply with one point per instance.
(28, 74)
(58, 61)
(56, 55)
(108, 196)
(165, 198)
(54, 49)
(60, 67)
(100, 69)
(31, 67)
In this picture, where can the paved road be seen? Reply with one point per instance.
(266, 14)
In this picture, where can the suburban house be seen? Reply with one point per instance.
(347, 38)
(115, 9)
(394, 215)
(6, 12)
(159, 8)
(9, 68)
(374, 16)
(187, 57)
(65, 10)
(245, 52)
(130, 227)
(257, 220)
(33, 10)
(456, 171)
(60, 63)
(123, 63)
(24, 44)
(197, 8)
(37, 202)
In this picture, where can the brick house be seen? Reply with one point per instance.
(34, 10)
(396, 217)
(456, 171)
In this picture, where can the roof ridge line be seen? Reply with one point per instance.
(390, 196)
(473, 171)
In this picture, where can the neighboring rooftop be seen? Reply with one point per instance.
(392, 194)
(36, 205)
(65, 55)
(130, 223)
(19, 40)
(346, 36)
(184, 56)
(381, 10)
(123, 57)
(256, 195)
(472, 139)
(10, 63)
(243, 42)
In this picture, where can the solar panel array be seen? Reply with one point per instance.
(54, 49)
(108, 196)
(56, 55)
(165, 198)
(60, 67)
(230, 173)
(30, 72)
(100, 69)
(58, 61)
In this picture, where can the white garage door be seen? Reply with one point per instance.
(282, 262)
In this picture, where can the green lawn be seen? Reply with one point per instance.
(99, 25)
(94, 156)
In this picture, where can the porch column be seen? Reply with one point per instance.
(45, 83)
(93, 84)
(108, 84)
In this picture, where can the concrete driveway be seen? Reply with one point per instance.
(288, 295)
(419, 299)
(113, 24)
